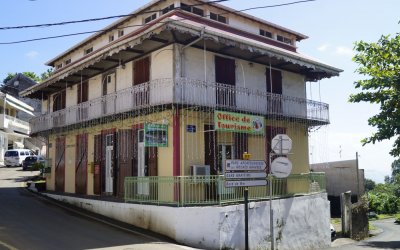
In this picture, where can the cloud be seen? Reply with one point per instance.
(344, 51)
(32, 54)
(323, 47)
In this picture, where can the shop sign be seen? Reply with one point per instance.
(238, 123)
(155, 135)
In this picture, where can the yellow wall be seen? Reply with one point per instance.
(70, 149)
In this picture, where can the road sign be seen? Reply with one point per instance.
(248, 183)
(281, 144)
(244, 165)
(281, 167)
(245, 175)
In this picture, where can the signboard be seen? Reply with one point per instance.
(238, 123)
(281, 167)
(243, 165)
(247, 183)
(191, 128)
(281, 144)
(245, 175)
(155, 135)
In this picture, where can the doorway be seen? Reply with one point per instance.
(225, 152)
(109, 164)
(143, 183)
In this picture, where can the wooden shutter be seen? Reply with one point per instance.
(125, 159)
(225, 70)
(60, 165)
(276, 84)
(83, 92)
(141, 71)
(97, 164)
(81, 161)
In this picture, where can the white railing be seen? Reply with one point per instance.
(183, 91)
(16, 124)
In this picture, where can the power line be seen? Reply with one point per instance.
(142, 25)
(99, 18)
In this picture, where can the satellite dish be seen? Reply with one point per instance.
(281, 167)
(281, 144)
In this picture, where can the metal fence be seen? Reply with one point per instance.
(210, 190)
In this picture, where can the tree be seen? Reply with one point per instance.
(379, 63)
(31, 75)
(395, 168)
(369, 185)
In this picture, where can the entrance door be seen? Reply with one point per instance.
(143, 183)
(125, 155)
(225, 152)
(109, 163)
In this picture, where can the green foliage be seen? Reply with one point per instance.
(397, 219)
(32, 75)
(37, 166)
(383, 203)
(369, 185)
(379, 63)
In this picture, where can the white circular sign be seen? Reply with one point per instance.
(281, 167)
(281, 144)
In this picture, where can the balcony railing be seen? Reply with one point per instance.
(14, 124)
(211, 190)
(185, 92)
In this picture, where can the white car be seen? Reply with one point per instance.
(15, 157)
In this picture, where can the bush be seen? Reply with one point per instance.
(397, 219)
(37, 166)
(383, 203)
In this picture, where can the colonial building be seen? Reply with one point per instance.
(174, 89)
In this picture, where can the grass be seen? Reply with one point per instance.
(371, 227)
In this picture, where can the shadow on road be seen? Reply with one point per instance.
(381, 244)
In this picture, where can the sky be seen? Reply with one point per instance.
(331, 25)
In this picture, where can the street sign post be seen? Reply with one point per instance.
(245, 173)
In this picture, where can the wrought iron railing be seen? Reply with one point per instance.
(210, 190)
(183, 91)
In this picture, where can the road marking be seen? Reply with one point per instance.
(9, 247)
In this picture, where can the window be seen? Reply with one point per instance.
(88, 50)
(150, 18)
(218, 17)
(111, 38)
(59, 66)
(265, 33)
(120, 33)
(284, 39)
(68, 61)
(167, 9)
(192, 9)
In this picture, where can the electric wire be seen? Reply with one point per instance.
(142, 25)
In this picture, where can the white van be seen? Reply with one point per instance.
(15, 157)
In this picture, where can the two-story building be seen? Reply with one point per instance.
(176, 87)
(13, 130)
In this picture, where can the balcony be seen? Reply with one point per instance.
(187, 92)
(14, 124)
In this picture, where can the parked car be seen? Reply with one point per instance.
(333, 232)
(15, 157)
(31, 160)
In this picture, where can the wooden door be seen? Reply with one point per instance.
(225, 77)
(60, 165)
(152, 161)
(141, 75)
(97, 164)
(81, 161)
(141, 71)
(125, 159)
(274, 86)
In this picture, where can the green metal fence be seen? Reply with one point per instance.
(211, 190)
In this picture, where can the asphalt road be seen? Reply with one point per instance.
(29, 221)
(388, 238)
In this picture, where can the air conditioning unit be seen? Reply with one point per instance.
(199, 172)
